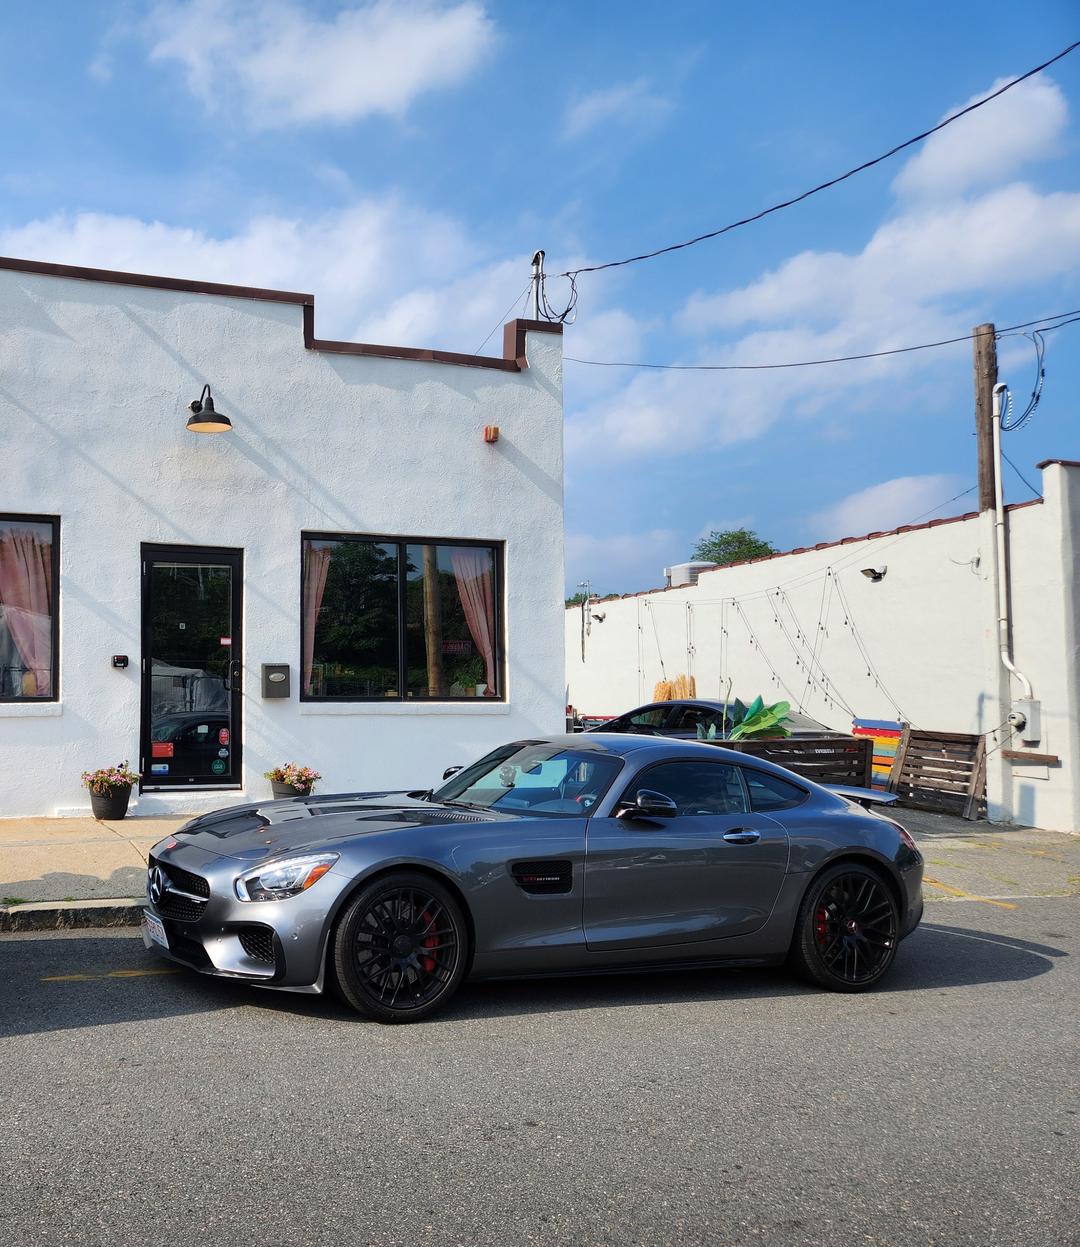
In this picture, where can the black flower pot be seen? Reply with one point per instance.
(113, 805)
(286, 790)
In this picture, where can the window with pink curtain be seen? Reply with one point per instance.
(28, 549)
(316, 565)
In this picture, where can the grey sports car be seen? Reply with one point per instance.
(561, 855)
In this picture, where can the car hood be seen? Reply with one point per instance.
(255, 832)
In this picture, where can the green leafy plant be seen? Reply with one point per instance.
(105, 782)
(760, 720)
(708, 733)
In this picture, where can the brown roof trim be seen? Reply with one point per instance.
(513, 360)
(1063, 463)
(158, 283)
(823, 545)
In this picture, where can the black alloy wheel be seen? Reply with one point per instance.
(401, 948)
(848, 929)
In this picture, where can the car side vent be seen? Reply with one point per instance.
(542, 878)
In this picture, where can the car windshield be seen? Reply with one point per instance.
(534, 778)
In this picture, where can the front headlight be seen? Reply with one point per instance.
(287, 877)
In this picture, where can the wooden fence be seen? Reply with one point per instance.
(943, 771)
(825, 760)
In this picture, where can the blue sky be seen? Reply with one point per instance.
(402, 161)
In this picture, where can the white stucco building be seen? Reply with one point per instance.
(918, 643)
(356, 528)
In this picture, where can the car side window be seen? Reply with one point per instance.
(649, 718)
(769, 793)
(690, 718)
(695, 787)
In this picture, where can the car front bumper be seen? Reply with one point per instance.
(277, 944)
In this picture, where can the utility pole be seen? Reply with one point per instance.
(986, 376)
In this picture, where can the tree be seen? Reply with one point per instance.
(731, 545)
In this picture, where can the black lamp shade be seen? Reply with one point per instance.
(204, 419)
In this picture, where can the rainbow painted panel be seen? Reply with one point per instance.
(886, 737)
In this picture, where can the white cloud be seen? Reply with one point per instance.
(632, 104)
(352, 260)
(286, 65)
(369, 266)
(614, 564)
(889, 504)
(931, 270)
(991, 144)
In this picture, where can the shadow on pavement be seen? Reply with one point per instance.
(44, 997)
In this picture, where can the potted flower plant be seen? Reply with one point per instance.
(290, 780)
(110, 789)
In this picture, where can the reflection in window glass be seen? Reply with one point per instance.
(396, 619)
(450, 639)
(767, 792)
(695, 787)
(27, 610)
(350, 619)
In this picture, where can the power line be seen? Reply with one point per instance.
(1020, 474)
(502, 319)
(867, 164)
(1009, 330)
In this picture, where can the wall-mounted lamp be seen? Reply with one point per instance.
(204, 419)
(875, 573)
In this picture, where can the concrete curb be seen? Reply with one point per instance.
(64, 915)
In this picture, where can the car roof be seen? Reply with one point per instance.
(796, 717)
(621, 745)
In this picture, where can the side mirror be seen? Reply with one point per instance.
(450, 770)
(649, 804)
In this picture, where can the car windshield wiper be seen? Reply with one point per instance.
(465, 805)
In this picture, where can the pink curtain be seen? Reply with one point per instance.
(472, 572)
(316, 565)
(26, 598)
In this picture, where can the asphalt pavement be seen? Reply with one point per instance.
(146, 1105)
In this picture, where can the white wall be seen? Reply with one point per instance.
(94, 383)
(928, 629)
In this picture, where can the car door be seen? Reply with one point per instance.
(713, 870)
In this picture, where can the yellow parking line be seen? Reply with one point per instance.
(966, 896)
(112, 974)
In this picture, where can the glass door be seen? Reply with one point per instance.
(191, 667)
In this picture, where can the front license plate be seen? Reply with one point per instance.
(153, 927)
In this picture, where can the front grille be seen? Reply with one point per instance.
(180, 908)
(258, 943)
(185, 880)
(171, 904)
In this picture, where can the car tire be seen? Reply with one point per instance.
(847, 930)
(401, 948)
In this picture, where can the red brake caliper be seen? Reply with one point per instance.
(821, 924)
(430, 942)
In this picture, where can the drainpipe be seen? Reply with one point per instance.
(1001, 567)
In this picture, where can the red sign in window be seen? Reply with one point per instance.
(223, 736)
(161, 749)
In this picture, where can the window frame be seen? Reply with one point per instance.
(498, 549)
(685, 761)
(20, 517)
(754, 770)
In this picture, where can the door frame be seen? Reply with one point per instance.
(233, 557)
